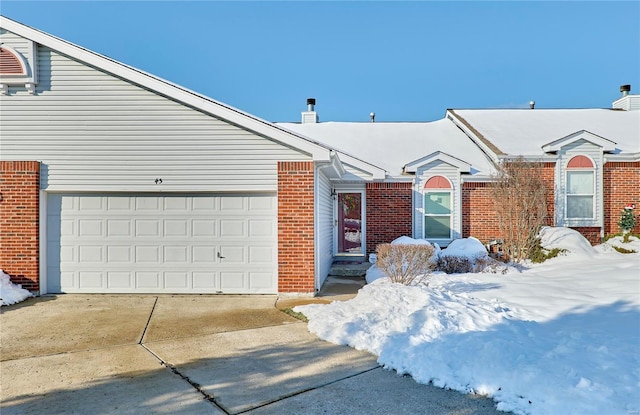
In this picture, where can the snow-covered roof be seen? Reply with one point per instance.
(393, 145)
(526, 131)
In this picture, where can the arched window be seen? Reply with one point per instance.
(437, 208)
(580, 188)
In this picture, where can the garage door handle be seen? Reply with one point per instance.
(220, 256)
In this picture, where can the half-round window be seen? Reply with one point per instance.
(10, 63)
(437, 182)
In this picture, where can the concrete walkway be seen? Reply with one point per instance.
(193, 354)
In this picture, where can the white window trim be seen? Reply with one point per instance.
(567, 170)
(567, 195)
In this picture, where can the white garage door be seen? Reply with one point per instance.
(161, 243)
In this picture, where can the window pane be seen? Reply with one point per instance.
(437, 227)
(580, 207)
(438, 203)
(580, 182)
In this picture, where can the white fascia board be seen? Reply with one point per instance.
(217, 109)
(605, 144)
(477, 179)
(623, 157)
(376, 172)
(462, 165)
(334, 169)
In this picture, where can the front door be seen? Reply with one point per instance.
(350, 225)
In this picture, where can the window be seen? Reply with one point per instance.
(437, 208)
(580, 188)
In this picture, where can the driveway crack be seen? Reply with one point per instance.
(148, 321)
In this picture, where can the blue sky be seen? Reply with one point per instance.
(405, 61)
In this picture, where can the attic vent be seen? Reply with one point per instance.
(10, 64)
(437, 182)
(580, 162)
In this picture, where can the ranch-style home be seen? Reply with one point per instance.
(116, 181)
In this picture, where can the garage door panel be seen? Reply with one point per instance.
(204, 254)
(176, 228)
(232, 228)
(90, 280)
(231, 281)
(118, 227)
(261, 254)
(91, 254)
(207, 281)
(147, 280)
(162, 243)
(119, 280)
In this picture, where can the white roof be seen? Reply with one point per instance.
(526, 131)
(392, 145)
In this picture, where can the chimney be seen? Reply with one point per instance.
(532, 104)
(310, 116)
(625, 89)
(372, 116)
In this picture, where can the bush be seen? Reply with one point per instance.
(455, 264)
(406, 264)
(624, 250)
(537, 254)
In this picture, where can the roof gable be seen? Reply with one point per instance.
(461, 165)
(318, 151)
(605, 144)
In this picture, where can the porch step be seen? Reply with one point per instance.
(349, 268)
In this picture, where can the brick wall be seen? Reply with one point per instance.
(19, 224)
(478, 214)
(296, 266)
(591, 233)
(621, 186)
(389, 212)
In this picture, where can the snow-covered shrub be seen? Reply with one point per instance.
(11, 293)
(463, 256)
(455, 264)
(407, 264)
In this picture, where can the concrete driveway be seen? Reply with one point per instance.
(193, 354)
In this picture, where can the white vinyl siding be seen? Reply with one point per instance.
(95, 132)
(324, 228)
(179, 243)
(423, 173)
(563, 191)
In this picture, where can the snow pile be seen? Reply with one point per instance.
(567, 239)
(11, 293)
(559, 338)
(470, 248)
(618, 241)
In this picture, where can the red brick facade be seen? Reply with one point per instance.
(478, 214)
(296, 260)
(19, 224)
(621, 187)
(389, 212)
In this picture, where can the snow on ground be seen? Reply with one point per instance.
(11, 293)
(560, 337)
